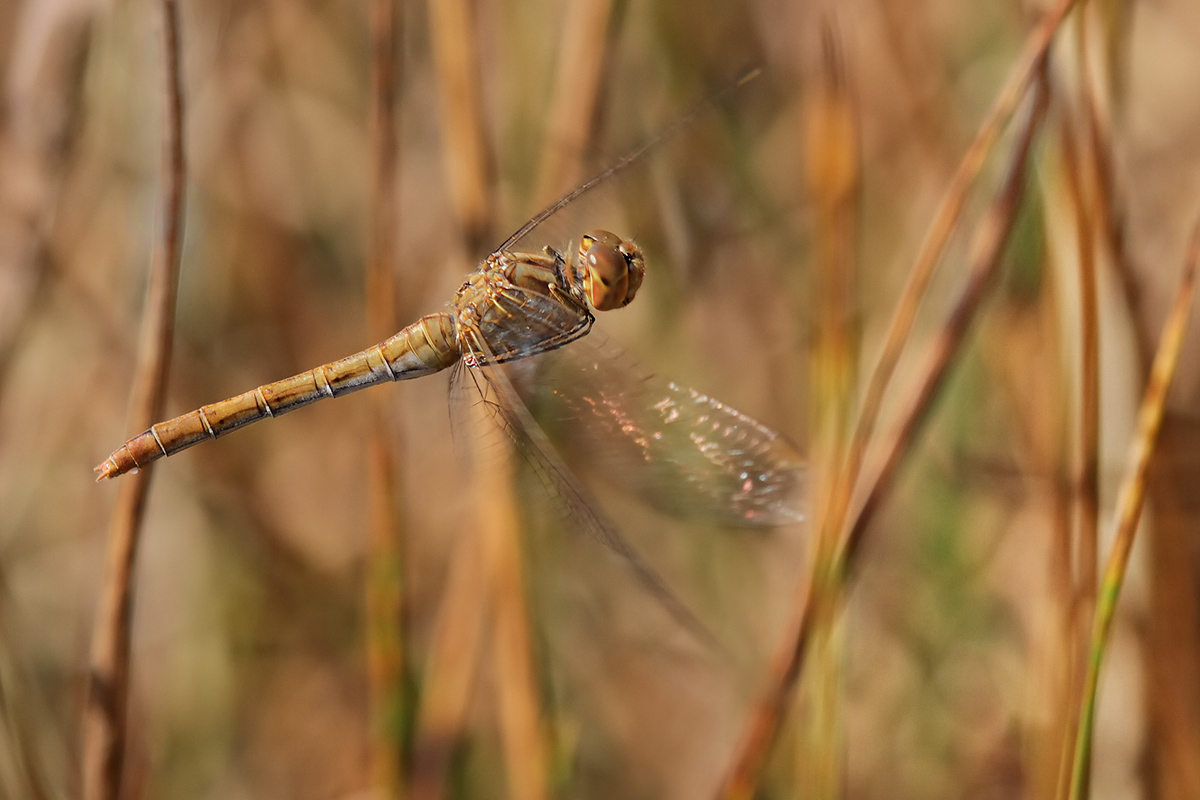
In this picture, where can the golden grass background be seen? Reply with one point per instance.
(948, 672)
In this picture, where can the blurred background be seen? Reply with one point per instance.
(250, 674)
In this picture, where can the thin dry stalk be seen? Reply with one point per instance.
(1172, 680)
(1087, 482)
(1032, 57)
(519, 709)
(492, 548)
(1129, 507)
(1090, 203)
(987, 248)
(1172, 646)
(571, 126)
(381, 261)
(1109, 212)
(469, 163)
(572, 118)
(451, 671)
(486, 583)
(833, 162)
(1042, 428)
(572, 123)
(104, 725)
(1024, 333)
(1172, 653)
(385, 574)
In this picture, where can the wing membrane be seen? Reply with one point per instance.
(524, 323)
(505, 407)
(682, 451)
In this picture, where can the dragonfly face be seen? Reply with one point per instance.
(612, 269)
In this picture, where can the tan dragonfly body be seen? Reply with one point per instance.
(515, 305)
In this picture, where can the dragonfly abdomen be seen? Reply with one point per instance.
(428, 345)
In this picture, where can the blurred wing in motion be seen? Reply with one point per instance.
(478, 376)
(683, 452)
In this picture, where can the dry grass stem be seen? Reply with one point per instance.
(1032, 58)
(987, 248)
(104, 731)
(1128, 510)
(583, 56)
(469, 161)
(518, 699)
(495, 557)
(1083, 538)
(1087, 174)
(385, 573)
(833, 164)
(451, 668)
(486, 584)
(578, 87)
(1108, 211)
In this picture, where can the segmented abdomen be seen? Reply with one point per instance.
(428, 345)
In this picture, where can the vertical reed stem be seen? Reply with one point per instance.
(1129, 510)
(385, 559)
(104, 731)
(832, 162)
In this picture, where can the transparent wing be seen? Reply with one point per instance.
(681, 451)
(518, 323)
(505, 407)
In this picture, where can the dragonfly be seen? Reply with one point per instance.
(684, 451)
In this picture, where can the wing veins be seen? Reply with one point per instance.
(516, 422)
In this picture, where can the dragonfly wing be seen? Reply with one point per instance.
(518, 323)
(682, 451)
(506, 408)
(513, 324)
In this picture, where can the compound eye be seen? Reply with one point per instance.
(612, 269)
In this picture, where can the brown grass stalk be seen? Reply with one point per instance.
(571, 121)
(104, 731)
(1172, 639)
(833, 161)
(1129, 505)
(1030, 334)
(486, 563)
(385, 573)
(451, 670)
(571, 126)
(1173, 665)
(1031, 60)
(1109, 212)
(1086, 483)
(1089, 178)
(987, 247)
(991, 235)
(1032, 57)
(486, 584)
(469, 162)
(518, 702)
(1171, 684)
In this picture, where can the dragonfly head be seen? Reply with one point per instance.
(612, 269)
